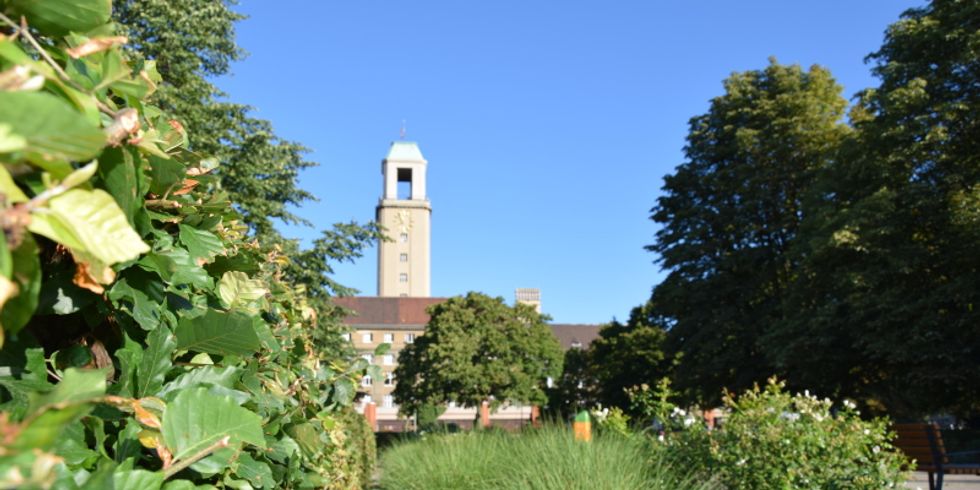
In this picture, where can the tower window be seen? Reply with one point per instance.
(403, 277)
(403, 258)
(403, 238)
(404, 183)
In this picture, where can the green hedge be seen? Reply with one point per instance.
(148, 342)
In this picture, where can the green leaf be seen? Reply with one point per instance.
(10, 142)
(256, 472)
(283, 449)
(52, 412)
(120, 178)
(142, 295)
(236, 289)
(176, 266)
(89, 221)
(343, 391)
(130, 356)
(12, 194)
(155, 363)
(218, 332)
(201, 244)
(129, 479)
(52, 128)
(58, 17)
(26, 275)
(307, 438)
(80, 175)
(196, 420)
(207, 375)
(382, 349)
(77, 386)
(165, 174)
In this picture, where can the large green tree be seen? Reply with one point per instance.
(893, 270)
(475, 349)
(730, 214)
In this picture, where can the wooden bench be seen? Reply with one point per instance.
(924, 444)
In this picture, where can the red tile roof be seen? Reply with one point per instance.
(394, 311)
(374, 310)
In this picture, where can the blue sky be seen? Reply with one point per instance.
(548, 126)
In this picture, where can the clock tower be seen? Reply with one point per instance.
(405, 213)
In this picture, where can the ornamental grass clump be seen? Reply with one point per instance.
(771, 439)
(537, 459)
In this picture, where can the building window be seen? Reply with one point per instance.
(366, 399)
(403, 257)
(367, 357)
(388, 359)
(410, 338)
(367, 338)
(389, 402)
(389, 337)
(389, 379)
(403, 238)
(366, 381)
(576, 344)
(403, 277)
(346, 336)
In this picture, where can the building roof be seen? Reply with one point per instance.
(404, 151)
(376, 310)
(575, 335)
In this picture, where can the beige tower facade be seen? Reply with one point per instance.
(405, 213)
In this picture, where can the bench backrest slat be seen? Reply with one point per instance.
(922, 442)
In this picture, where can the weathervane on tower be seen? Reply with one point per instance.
(401, 133)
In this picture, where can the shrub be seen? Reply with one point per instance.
(773, 440)
(146, 339)
(612, 420)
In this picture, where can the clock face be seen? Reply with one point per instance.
(404, 220)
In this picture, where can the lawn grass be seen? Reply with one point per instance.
(547, 458)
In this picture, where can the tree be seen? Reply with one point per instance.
(576, 388)
(475, 349)
(730, 215)
(190, 43)
(627, 355)
(892, 268)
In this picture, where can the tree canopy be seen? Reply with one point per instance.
(730, 214)
(841, 257)
(475, 349)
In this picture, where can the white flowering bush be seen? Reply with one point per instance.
(612, 420)
(774, 440)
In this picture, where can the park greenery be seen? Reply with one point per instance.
(837, 253)
(771, 440)
(152, 336)
(478, 349)
(547, 458)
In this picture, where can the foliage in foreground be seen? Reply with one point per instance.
(536, 459)
(149, 342)
(774, 440)
(476, 349)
